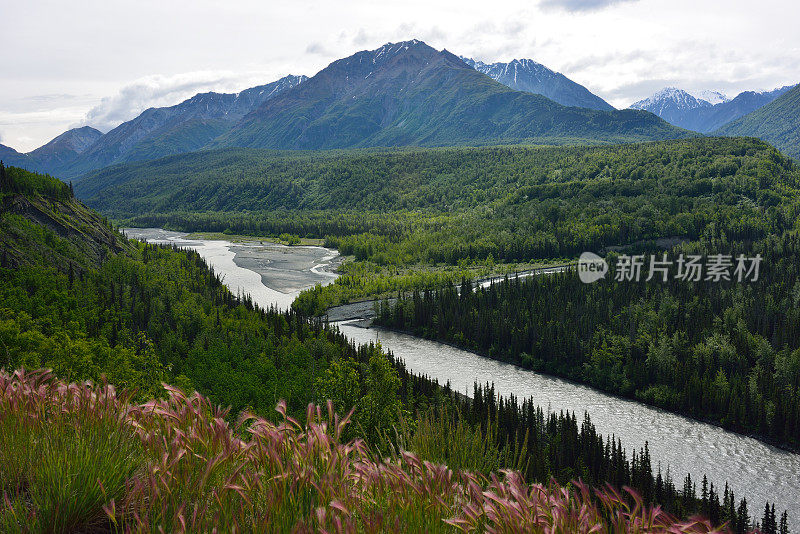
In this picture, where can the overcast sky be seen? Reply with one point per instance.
(100, 62)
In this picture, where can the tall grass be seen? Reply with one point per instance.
(82, 458)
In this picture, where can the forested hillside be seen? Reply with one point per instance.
(724, 352)
(142, 314)
(79, 298)
(778, 123)
(463, 206)
(565, 198)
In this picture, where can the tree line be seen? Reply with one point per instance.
(143, 314)
(726, 352)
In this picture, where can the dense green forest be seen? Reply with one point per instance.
(412, 209)
(726, 352)
(141, 314)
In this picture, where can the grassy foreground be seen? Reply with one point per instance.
(83, 458)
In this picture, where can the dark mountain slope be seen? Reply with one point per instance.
(410, 94)
(11, 157)
(63, 149)
(42, 223)
(777, 123)
(187, 126)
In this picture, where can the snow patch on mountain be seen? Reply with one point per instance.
(670, 98)
(712, 97)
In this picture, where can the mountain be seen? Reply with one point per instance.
(63, 149)
(42, 223)
(675, 106)
(712, 97)
(778, 123)
(184, 127)
(705, 111)
(532, 77)
(744, 103)
(411, 94)
(9, 156)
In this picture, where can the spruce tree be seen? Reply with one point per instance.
(704, 497)
(768, 523)
(742, 518)
(784, 527)
(4, 182)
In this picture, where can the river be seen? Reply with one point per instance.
(753, 469)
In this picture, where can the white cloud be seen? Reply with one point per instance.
(160, 90)
(317, 48)
(619, 49)
(26, 130)
(580, 5)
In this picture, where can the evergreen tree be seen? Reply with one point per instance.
(704, 496)
(5, 186)
(742, 518)
(768, 525)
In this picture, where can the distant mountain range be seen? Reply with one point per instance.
(185, 127)
(54, 155)
(706, 111)
(401, 94)
(532, 77)
(155, 133)
(411, 94)
(777, 123)
(64, 149)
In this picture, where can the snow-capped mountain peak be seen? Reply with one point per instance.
(670, 98)
(703, 110)
(712, 97)
(532, 77)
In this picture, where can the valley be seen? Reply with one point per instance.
(677, 444)
(412, 290)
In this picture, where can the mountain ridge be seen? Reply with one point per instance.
(686, 110)
(532, 77)
(64, 148)
(777, 123)
(400, 94)
(408, 93)
(184, 127)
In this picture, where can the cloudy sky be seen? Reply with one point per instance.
(100, 62)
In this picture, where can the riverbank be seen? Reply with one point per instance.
(287, 269)
(369, 323)
(677, 443)
(754, 469)
(365, 310)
